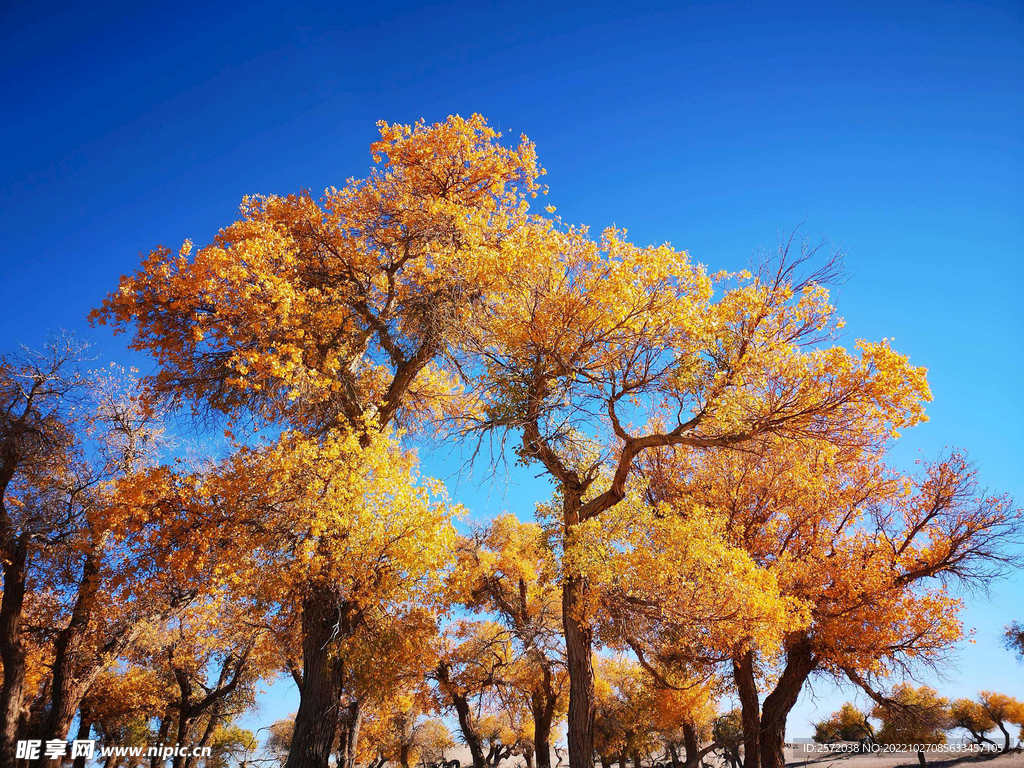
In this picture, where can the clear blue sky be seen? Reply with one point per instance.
(896, 128)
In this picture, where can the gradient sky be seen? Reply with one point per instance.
(895, 128)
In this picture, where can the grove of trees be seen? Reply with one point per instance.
(724, 520)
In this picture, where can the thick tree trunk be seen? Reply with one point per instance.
(353, 739)
(578, 646)
(778, 704)
(68, 688)
(691, 743)
(543, 705)
(348, 738)
(212, 722)
(750, 707)
(921, 759)
(184, 730)
(316, 722)
(12, 651)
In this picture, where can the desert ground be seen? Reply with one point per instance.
(797, 757)
(1013, 759)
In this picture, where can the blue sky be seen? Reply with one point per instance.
(894, 128)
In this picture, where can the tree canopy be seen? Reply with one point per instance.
(726, 519)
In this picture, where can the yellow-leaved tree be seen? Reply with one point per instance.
(327, 318)
(86, 573)
(600, 351)
(913, 716)
(848, 543)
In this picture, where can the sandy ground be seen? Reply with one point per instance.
(1010, 760)
(797, 757)
(938, 760)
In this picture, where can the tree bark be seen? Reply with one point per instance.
(579, 641)
(84, 729)
(1006, 735)
(161, 739)
(12, 650)
(208, 733)
(750, 707)
(543, 705)
(184, 715)
(690, 743)
(348, 738)
(324, 622)
(353, 739)
(70, 680)
(778, 704)
(469, 734)
(465, 717)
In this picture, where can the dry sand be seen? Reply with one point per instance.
(1014, 759)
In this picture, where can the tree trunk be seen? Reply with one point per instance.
(622, 759)
(980, 737)
(84, 729)
(461, 704)
(578, 646)
(351, 722)
(208, 733)
(920, 758)
(543, 705)
(12, 652)
(68, 687)
(161, 739)
(1006, 735)
(184, 727)
(777, 705)
(340, 757)
(636, 760)
(353, 739)
(316, 722)
(750, 707)
(690, 743)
